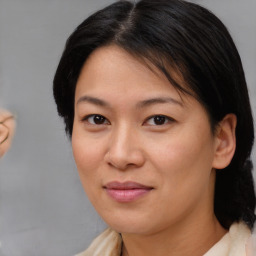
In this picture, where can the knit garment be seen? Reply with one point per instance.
(109, 243)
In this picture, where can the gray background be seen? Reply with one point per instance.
(43, 209)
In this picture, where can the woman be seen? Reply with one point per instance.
(155, 101)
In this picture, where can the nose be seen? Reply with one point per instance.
(124, 150)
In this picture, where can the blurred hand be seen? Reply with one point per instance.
(7, 129)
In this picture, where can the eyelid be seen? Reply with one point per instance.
(85, 118)
(168, 118)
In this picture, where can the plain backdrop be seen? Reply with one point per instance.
(43, 208)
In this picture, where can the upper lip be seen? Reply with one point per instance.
(125, 185)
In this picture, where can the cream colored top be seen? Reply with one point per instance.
(109, 243)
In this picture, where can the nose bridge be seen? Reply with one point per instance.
(124, 149)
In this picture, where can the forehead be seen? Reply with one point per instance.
(112, 69)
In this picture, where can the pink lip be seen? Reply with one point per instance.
(127, 191)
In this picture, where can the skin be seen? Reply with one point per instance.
(251, 246)
(177, 159)
(8, 126)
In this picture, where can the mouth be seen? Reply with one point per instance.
(126, 191)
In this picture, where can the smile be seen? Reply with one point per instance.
(127, 191)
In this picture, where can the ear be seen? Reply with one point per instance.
(225, 141)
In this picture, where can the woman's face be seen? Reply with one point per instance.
(144, 152)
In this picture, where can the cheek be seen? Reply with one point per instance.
(185, 160)
(185, 170)
(88, 157)
(85, 156)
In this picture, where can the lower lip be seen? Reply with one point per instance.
(127, 195)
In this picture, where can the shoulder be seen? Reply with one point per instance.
(239, 236)
(233, 243)
(108, 243)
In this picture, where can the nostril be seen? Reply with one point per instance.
(125, 159)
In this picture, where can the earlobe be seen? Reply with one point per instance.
(225, 141)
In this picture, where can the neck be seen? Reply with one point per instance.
(188, 239)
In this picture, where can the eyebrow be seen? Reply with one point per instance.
(159, 100)
(93, 100)
(141, 104)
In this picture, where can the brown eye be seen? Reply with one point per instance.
(96, 119)
(158, 120)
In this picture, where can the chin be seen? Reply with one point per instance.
(130, 229)
(136, 225)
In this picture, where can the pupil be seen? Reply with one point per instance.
(159, 120)
(99, 120)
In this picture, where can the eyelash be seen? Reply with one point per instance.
(166, 119)
(86, 119)
(105, 121)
